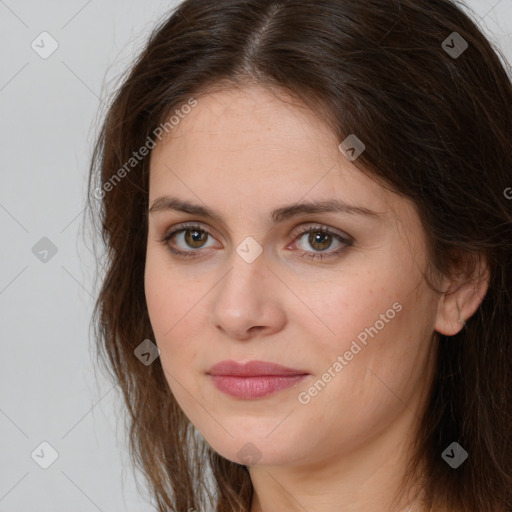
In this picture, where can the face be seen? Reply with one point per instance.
(336, 296)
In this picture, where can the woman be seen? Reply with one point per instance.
(307, 295)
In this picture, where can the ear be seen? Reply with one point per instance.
(462, 295)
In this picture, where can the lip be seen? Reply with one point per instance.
(253, 379)
(252, 369)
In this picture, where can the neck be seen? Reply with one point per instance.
(366, 479)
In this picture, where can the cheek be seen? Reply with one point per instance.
(380, 327)
(355, 306)
(171, 299)
(170, 310)
(177, 311)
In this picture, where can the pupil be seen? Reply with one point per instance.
(193, 238)
(316, 238)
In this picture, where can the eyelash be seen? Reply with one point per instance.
(320, 256)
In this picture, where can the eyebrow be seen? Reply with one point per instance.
(281, 214)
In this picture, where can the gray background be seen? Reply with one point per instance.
(49, 388)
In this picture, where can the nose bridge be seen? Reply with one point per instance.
(248, 268)
(244, 298)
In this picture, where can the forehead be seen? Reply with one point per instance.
(247, 148)
(237, 123)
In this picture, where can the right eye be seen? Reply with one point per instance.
(191, 236)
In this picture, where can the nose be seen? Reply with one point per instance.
(248, 301)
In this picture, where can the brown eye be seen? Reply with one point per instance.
(320, 240)
(313, 242)
(187, 240)
(195, 238)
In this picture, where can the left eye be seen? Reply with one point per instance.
(320, 239)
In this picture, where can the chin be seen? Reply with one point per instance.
(251, 447)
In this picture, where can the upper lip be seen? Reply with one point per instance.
(252, 369)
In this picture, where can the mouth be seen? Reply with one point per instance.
(254, 379)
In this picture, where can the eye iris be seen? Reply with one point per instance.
(194, 237)
(319, 237)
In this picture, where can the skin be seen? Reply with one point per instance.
(244, 152)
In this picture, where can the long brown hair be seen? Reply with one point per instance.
(434, 110)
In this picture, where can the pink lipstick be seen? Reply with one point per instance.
(254, 379)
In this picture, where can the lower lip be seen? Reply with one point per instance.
(254, 387)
